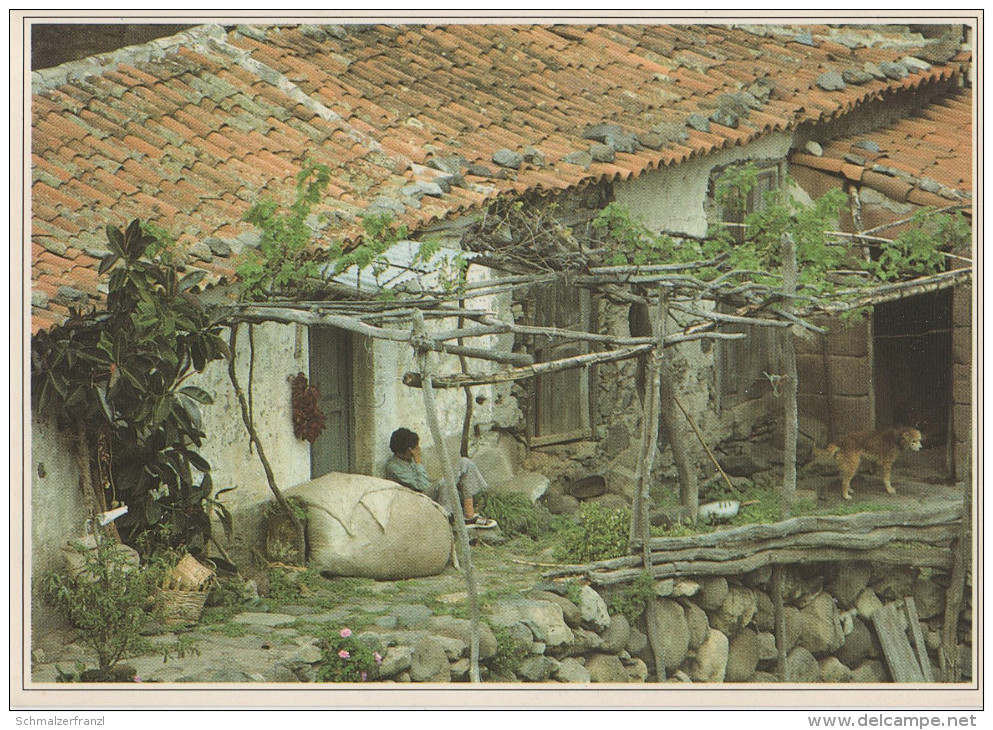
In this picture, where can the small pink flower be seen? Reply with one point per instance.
(344, 654)
(377, 657)
(136, 678)
(346, 632)
(363, 676)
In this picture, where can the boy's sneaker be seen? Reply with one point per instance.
(479, 522)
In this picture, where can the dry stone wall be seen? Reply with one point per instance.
(709, 630)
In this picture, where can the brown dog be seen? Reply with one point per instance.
(881, 447)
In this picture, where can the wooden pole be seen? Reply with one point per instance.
(790, 380)
(778, 586)
(452, 497)
(638, 536)
(948, 653)
(640, 523)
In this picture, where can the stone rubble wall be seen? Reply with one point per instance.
(712, 630)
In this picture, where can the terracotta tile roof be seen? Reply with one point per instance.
(925, 159)
(188, 132)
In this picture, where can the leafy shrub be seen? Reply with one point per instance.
(631, 599)
(600, 533)
(516, 514)
(346, 659)
(106, 600)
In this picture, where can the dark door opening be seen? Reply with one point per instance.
(912, 340)
(331, 373)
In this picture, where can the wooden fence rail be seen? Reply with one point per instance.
(922, 538)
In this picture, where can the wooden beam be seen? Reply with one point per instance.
(528, 371)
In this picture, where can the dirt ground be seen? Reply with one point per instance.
(256, 643)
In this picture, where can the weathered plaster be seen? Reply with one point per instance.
(234, 462)
(674, 199)
(58, 509)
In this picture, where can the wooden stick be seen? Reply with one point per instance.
(650, 437)
(948, 652)
(703, 442)
(900, 222)
(790, 386)
(779, 618)
(893, 292)
(457, 381)
(923, 557)
(639, 533)
(454, 499)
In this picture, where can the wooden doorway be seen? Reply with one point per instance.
(331, 372)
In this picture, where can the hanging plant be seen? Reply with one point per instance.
(308, 419)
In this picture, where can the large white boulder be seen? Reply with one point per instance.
(365, 527)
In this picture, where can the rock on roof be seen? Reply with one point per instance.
(924, 159)
(424, 122)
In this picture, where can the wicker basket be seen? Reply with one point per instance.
(189, 575)
(180, 607)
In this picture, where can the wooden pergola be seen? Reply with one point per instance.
(683, 312)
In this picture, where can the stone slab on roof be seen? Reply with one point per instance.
(925, 159)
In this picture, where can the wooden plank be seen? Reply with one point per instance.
(899, 655)
(917, 639)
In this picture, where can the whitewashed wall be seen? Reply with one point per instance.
(56, 505)
(674, 198)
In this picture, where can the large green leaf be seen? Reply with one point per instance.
(198, 394)
(115, 239)
(198, 461)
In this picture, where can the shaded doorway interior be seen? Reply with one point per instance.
(331, 373)
(912, 345)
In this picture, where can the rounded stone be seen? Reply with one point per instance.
(710, 664)
(571, 671)
(606, 669)
(871, 672)
(743, 656)
(712, 593)
(820, 626)
(849, 582)
(593, 609)
(602, 152)
(429, 662)
(736, 612)
(802, 667)
(537, 668)
(697, 623)
(672, 630)
(833, 671)
(867, 603)
(859, 645)
(615, 638)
